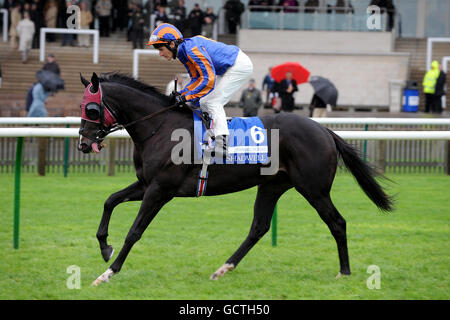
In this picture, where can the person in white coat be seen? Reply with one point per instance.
(25, 30)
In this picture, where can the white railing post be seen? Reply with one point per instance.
(5, 24)
(42, 45)
(353, 135)
(136, 53)
(44, 31)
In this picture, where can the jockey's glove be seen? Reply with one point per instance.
(180, 100)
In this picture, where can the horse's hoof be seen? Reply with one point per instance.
(103, 278)
(221, 271)
(107, 253)
(340, 275)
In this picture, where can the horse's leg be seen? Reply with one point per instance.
(133, 192)
(337, 225)
(153, 200)
(314, 184)
(266, 199)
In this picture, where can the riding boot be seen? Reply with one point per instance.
(220, 149)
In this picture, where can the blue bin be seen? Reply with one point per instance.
(410, 100)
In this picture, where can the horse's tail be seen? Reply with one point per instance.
(363, 172)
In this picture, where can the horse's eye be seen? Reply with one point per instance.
(92, 111)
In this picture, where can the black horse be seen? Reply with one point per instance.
(308, 157)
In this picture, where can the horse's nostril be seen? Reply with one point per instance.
(83, 147)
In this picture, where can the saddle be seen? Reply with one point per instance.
(247, 144)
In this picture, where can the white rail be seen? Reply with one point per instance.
(5, 24)
(354, 135)
(369, 121)
(70, 31)
(136, 53)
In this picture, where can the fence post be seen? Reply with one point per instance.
(274, 226)
(66, 154)
(381, 159)
(447, 158)
(42, 153)
(17, 174)
(112, 157)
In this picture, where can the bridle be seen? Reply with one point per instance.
(95, 109)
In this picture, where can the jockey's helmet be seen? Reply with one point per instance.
(163, 35)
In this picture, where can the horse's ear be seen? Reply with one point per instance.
(84, 81)
(95, 83)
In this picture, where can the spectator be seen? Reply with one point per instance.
(252, 3)
(25, 31)
(122, 17)
(196, 20)
(179, 15)
(137, 28)
(286, 90)
(51, 16)
(37, 17)
(85, 21)
(40, 95)
(439, 91)
(340, 7)
(311, 6)
(288, 5)
(209, 20)
(51, 64)
(15, 17)
(386, 6)
(250, 100)
(234, 9)
(268, 86)
(131, 10)
(103, 8)
(161, 16)
(317, 108)
(429, 86)
(67, 37)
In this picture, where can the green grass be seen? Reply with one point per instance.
(191, 238)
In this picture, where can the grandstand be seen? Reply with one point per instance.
(369, 67)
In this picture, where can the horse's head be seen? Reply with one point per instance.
(96, 119)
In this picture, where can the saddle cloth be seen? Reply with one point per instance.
(247, 143)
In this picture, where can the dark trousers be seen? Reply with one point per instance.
(436, 107)
(429, 101)
(138, 38)
(104, 26)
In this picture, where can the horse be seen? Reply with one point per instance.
(308, 159)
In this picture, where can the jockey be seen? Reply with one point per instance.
(217, 71)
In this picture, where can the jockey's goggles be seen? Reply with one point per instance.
(154, 39)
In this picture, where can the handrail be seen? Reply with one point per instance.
(43, 31)
(368, 121)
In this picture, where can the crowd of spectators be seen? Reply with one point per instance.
(134, 17)
(112, 15)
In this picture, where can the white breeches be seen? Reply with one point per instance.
(225, 87)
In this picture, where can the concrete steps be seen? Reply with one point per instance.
(115, 54)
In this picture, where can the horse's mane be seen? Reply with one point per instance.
(129, 81)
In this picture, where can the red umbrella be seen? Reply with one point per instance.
(299, 73)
